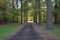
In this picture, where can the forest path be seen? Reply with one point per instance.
(26, 33)
(32, 32)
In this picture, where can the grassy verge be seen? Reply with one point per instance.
(7, 29)
(55, 32)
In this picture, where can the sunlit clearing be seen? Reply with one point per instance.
(30, 21)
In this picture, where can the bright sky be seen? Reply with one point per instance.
(19, 3)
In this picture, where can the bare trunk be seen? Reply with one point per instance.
(39, 14)
(56, 13)
(25, 12)
(17, 9)
(49, 15)
(13, 9)
(21, 12)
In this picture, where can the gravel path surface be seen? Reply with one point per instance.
(26, 33)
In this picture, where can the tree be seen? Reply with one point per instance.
(26, 11)
(21, 10)
(17, 8)
(56, 11)
(49, 15)
(13, 9)
(35, 11)
(39, 14)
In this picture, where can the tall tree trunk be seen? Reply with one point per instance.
(13, 9)
(35, 12)
(39, 14)
(25, 11)
(21, 11)
(17, 9)
(49, 15)
(56, 13)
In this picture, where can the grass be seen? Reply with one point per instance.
(7, 29)
(55, 32)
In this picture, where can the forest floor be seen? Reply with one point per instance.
(30, 32)
(48, 34)
(55, 32)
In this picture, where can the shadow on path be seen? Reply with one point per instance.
(26, 33)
